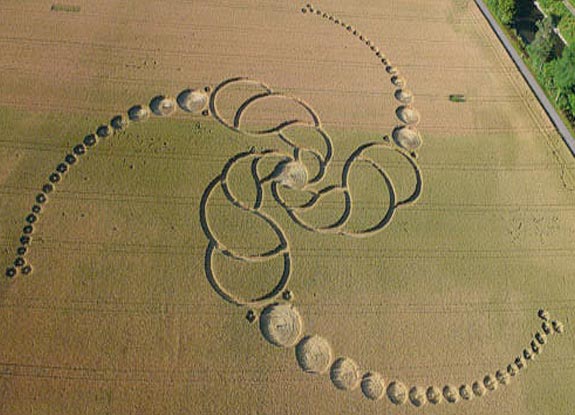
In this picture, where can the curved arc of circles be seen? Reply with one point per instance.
(237, 300)
(411, 199)
(282, 247)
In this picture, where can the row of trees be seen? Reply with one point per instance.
(556, 73)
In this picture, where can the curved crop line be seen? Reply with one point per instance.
(321, 163)
(280, 248)
(391, 207)
(224, 175)
(214, 95)
(255, 98)
(327, 140)
(282, 202)
(237, 300)
(418, 177)
(418, 182)
(357, 152)
(259, 190)
(246, 104)
(292, 211)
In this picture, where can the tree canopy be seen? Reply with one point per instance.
(507, 10)
(541, 48)
(564, 71)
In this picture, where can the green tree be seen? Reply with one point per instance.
(504, 9)
(564, 73)
(507, 10)
(571, 99)
(542, 46)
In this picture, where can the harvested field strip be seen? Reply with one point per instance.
(263, 58)
(152, 23)
(153, 307)
(339, 124)
(471, 99)
(450, 306)
(181, 376)
(438, 253)
(369, 15)
(447, 167)
(132, 200)
(416, 369)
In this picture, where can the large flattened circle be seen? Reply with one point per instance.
(281, 325)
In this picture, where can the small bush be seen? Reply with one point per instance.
(457, 98)
(65, 8)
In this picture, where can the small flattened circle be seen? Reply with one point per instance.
(397, 393)
(193, 100)
(503, 377)
(490, 382)
(163, 106)
(398, 81)
(408, 115)
(433, 394)
(373, 386)
(344, 374)
(451, 394)
(478, 388)
(314, 354)
(292, 174)
(466, 392)
(138, 113)
(404, 95)
(119, 123)
(407, 137)
(417, 396)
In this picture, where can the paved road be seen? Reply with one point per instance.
(547, 106)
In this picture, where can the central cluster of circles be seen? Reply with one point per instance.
(282, 325)
(308, 148)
